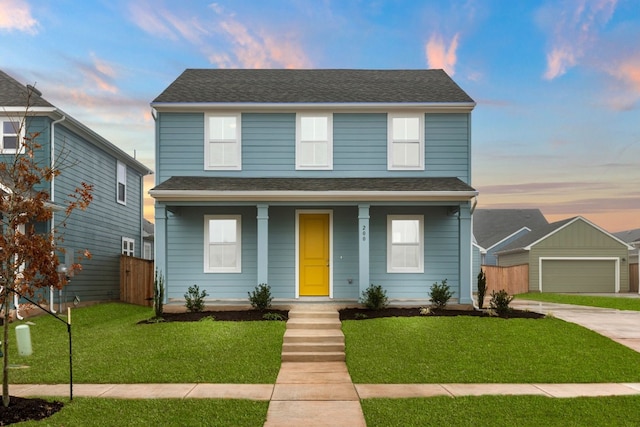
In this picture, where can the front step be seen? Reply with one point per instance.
(337, 356)
(313, 335)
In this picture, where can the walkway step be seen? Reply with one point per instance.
(337, 356)
(322, 314)
(313, 324)
(306, 347)
(313, 336)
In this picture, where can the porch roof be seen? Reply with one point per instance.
(194, 188)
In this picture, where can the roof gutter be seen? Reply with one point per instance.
(199, 106)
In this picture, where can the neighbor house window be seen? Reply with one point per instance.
(222, 244)
(147, 250)
(9, 135)
(405, 141)
(128, 246)
(222, 147)
(121, 189)
(405, 244)
(314, 141)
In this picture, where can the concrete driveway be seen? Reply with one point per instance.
(622, 326)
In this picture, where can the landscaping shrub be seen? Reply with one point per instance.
(158, 294)
(272, 316)
(500, 302)
(261, 298)
(375, 297)
(440, 294)
(194, 299)
(482, 287)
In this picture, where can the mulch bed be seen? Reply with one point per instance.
(22, 409)
(227, 315)
(364, 313)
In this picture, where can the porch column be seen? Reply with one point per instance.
(160, 244)
(465, 255)
(263, 244)
(363, 248)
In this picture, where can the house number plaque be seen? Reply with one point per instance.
(364, 233)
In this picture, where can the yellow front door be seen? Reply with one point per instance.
(314, 255)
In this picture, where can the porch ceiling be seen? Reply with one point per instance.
(191, 188)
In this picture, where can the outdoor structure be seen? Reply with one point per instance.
(316, 182)
(495, 229)
(572, 255)
(112, 224)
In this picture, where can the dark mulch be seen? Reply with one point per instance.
(227, 315)
(23, 409)
(365, 313)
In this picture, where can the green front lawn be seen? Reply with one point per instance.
(507, 411)
(483, 350)
(618, 303)
(109, 346)
(157, 412)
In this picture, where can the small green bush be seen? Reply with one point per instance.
(482, 287)
(261, 298)
(440, 294)
(500, 302)
(272, 316)
(360, 316)
(210, 318)
(194, 299)
(375, 297)
(158, 294)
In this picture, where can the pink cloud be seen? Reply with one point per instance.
(573, 27)
(16, 15)
(157, 20)
(439, 55)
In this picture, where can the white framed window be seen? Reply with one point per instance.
(10, 135)
(222, 142)
(314, 141)
(121, 186)
(128, 246)
(405, 244)
(147, 250)
(222, 244)
(405, 149)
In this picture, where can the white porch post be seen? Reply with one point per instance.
(263, 244)
(160, 242)
(363, 248)
(465, 240)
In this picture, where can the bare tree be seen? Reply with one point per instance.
(29, 257)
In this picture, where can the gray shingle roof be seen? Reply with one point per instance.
(490, 226)
(194, 183)
(629, 236)
(537, 234)
(14, 94)
(313, 86)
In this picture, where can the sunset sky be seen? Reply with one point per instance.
(557, 83)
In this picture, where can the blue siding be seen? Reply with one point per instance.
(268, 146)
(101, 227)
(491, 258)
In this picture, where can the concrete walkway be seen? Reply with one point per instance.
(316, 390)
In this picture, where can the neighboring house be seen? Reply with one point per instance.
(632, 238)
(494, 229)
(573, 255)
(316, 182)
(147, 239)
(112, 224)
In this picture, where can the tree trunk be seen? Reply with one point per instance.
(5, 348)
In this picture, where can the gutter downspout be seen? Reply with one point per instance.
(473, 208)
(52, 194)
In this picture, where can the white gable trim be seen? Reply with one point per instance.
(508, 237)
(578, 218)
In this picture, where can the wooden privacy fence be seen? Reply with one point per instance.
(136, 280)
(633, 277)
(514, 279)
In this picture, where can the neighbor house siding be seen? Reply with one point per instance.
(491, 258)
(101, 227)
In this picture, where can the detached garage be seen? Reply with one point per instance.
(572, 255)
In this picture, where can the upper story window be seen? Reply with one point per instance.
(222, 142)
(405, 244)
(121, 189)
(222, 244)
(10, 133)
(314, 141)
(405, 142)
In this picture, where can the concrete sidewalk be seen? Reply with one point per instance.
(323, 391)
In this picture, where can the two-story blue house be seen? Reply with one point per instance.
(316, 182)
(112, 224)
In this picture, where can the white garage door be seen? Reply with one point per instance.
(578, 275)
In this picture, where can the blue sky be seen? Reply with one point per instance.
(557, 125)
